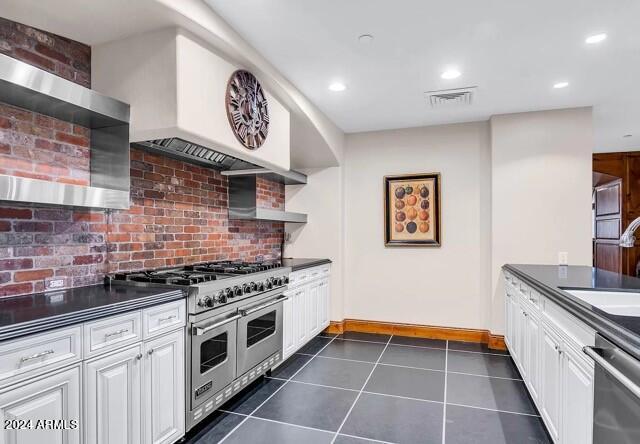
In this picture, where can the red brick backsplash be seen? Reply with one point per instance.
(178, 214)
(67, 58)
(40, 147)
(269, 194)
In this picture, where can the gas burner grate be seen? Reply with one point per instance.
(173, 276)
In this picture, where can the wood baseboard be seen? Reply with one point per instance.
(495, 342)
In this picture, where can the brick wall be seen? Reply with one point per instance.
(179, 215)
(53, 53)
(178, 211)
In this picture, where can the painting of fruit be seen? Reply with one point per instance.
(412, 210)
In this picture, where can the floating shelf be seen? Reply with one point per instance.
(25, 86)
(290, 177)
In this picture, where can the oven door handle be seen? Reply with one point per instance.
(617, 374)
(199, 331)
(261, 306)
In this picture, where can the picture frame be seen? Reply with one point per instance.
(412, 210)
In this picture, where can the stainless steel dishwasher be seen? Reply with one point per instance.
(616, 413)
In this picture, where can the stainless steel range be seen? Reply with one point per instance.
(234, 332)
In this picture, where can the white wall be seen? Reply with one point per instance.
(322, 237)
(444, 286)
(516, 189)
(541, 191)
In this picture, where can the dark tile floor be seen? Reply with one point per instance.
(360, 388)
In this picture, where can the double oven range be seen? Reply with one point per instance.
(234, 329)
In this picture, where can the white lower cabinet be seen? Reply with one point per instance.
(112, 392)
(163, 389)
(113, 395)
(577, 399)
(551, 379)
(53, 397)
(545, 342)
(306, 312)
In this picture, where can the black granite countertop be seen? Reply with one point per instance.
(299, 264)
(22, 315)
(551, 280)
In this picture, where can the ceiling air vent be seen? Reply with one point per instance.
(450, 97)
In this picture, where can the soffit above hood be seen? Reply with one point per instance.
(176, 85)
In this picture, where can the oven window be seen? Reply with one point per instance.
(213, 352)
(260, 328)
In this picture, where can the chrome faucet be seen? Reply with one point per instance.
(628, 240)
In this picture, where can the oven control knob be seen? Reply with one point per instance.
(285, 279)
(237, 291)
(260, 286)
(228, 293)
(267, 284)
(205, 302)
(277, 281)
(246, 288)
(253, 286)
(221, 298)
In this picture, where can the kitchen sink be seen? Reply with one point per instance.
(619, 303)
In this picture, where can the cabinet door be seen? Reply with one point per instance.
(113, 395)
(300, 312)
(324, 304)
(532, 347)
(54, 397)
(577, 400)
(313, 313)
(519, 335)
(508, 318)
(163, 389)
(550, 380)
(289, 325)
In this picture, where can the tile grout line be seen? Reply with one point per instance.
(300, 426)
(273, 394)
(417, 368)
(361, 390)
(444, 401)
(405, 397)
(426, 346)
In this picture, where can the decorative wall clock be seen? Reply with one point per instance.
(247, 109)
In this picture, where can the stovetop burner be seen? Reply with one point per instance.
(176, 276)
(230, 267)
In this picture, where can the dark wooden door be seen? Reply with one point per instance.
(607, 223)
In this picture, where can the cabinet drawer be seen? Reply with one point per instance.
(297, 278)
(26, 357)
(111, 333)
(163, 318)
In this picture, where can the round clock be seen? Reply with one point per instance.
(247, 109)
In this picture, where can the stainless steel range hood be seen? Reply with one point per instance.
(34, 89)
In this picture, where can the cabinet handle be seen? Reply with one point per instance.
(150, 352)
(168, 318)
(139, 356)
(117, 332)
(36, 356)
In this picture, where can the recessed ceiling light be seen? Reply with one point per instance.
(365, 39)
(451, 73)
(627, 135)
(596, 38)
(560, 85)
(337, 87)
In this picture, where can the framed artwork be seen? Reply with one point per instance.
(412, 210)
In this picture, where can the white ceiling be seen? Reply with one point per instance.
(512, 50)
